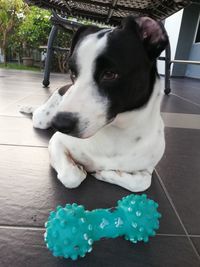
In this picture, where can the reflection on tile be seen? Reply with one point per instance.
(19, 131)
(33, 100)
(180, 120)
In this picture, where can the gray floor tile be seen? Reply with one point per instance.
(33, 100)
(20, 131)
(174, 104)
(181, 120)
(186, 88)
(180, 171)
(196, 242)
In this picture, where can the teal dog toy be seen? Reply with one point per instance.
(71, 231)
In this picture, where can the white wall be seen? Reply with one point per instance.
(172, 25)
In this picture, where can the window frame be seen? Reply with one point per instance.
(196, 31)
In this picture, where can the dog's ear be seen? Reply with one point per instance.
(152, 33)
(82, 32)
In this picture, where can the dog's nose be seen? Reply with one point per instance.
(65, 122)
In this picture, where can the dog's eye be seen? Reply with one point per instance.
(110, 75)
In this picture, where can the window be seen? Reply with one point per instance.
(197, 38)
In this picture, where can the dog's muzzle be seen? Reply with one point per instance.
(66, 122)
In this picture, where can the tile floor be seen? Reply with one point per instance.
(29, 189)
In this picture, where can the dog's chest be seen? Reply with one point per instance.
(126, 152)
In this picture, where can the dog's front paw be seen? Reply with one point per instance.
(135, 181)
(106, 176)
(72, 177)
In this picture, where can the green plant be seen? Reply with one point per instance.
(34, 29)
(33, 32)
(11, 13)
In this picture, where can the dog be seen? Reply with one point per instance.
(108, 119)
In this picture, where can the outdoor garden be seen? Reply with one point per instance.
(24, 32)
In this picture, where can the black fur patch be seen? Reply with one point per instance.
(64, 89)
(127, 54)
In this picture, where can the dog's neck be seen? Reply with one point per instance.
(137, 118)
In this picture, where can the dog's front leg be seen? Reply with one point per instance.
(43, 115)
(68, 171)
(135, 182)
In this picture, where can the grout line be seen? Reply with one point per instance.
(15, 227)
(178, 235)
(176, 212)
(187, 100)
(171, 235)
(23, 145)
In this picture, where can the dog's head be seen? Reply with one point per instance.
(112, 71)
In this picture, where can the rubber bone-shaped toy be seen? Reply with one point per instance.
(71, 231)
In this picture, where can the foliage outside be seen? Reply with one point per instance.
(32, 32)
(24, 29)
(10, 11)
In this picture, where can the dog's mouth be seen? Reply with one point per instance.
(77, 134)
(74, 125)
(92, 129)
(80, 131)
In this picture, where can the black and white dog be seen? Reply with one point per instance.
(108, 120)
